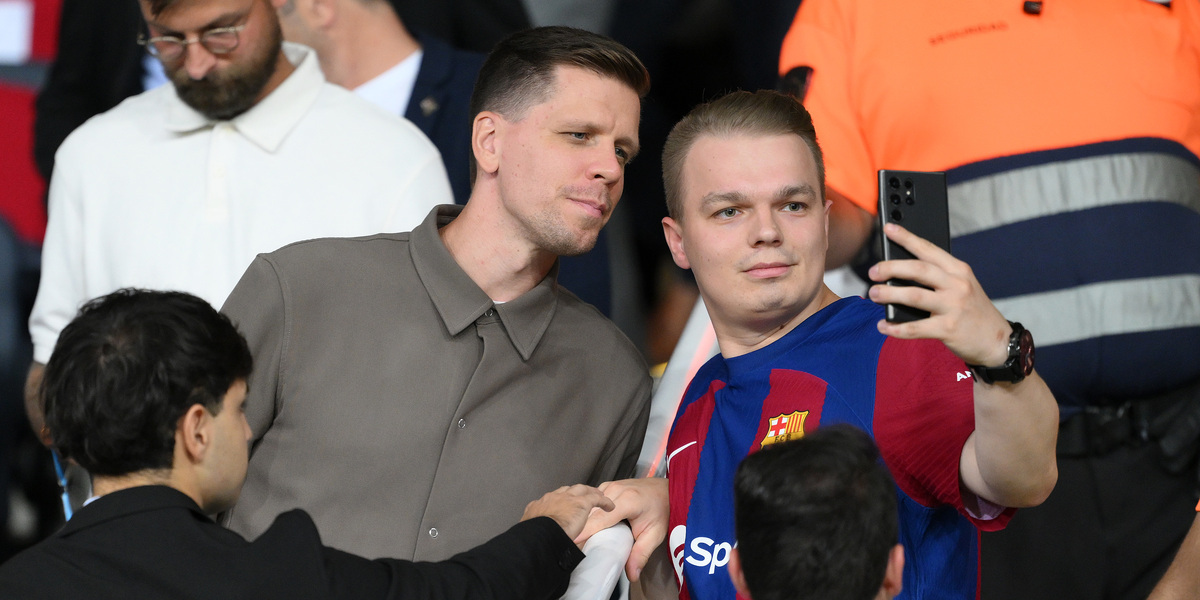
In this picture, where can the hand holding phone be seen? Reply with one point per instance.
(916, 248)
(915, 200)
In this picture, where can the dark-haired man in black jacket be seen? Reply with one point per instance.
(145, 390)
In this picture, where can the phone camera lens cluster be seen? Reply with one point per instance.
(896, 197)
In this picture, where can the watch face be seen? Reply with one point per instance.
(1026, 351)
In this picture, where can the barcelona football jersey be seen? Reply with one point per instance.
(913, 396)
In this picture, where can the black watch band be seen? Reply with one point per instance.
(1019, 363)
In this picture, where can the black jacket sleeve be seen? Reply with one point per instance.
(533, 560)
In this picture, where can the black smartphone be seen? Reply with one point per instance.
(915, 200)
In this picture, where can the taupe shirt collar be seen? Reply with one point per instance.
(461, 302)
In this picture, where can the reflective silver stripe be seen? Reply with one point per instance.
(1067, 186)
(1108, 308)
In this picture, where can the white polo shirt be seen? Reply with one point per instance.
(154, 195)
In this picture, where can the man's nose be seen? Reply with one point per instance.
(766, 227)
(607, 166)
(198, 61)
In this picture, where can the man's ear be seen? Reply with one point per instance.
(321, 13)
(673, 231)
(316, 14)
(894, 574)
(484, 133)
(736, 573)
(193, 434)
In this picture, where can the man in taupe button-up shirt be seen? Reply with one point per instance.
(414, 391)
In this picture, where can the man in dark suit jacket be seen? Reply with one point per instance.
(145, 391)
(364, 46)
(440, 105)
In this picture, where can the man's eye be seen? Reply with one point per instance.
(727, 212)
(793, 206)
(578, 135)
(623, 155)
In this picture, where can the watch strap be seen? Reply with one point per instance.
(1019, 362)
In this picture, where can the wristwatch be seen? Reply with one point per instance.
(1019, 363)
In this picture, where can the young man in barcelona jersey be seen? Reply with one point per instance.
(964, 424)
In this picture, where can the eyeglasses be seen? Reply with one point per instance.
(221, 40)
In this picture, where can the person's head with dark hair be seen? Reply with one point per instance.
(555, 115)
(147, 386)
(817, 518)
(520, 71)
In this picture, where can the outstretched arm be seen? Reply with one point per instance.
(1010, 458)
(533, 560)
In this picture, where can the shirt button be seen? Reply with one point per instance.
(433, 532)
(462, 423)
(489, 312)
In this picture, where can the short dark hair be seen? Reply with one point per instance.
(765, 112)
(816, 514)
(519, 72)
(128, 367)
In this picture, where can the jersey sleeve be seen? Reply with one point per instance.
(924, 413)
(821, 41)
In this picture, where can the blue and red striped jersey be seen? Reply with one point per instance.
(913, 396)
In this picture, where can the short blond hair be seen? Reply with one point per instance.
(764, 112)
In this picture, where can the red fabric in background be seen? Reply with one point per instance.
(45, 29)
(21, 188)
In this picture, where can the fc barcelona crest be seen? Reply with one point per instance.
(785, 427)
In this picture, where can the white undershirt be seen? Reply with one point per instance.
(392, 89)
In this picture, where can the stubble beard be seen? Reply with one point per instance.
(550, 231)
(224, 95)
